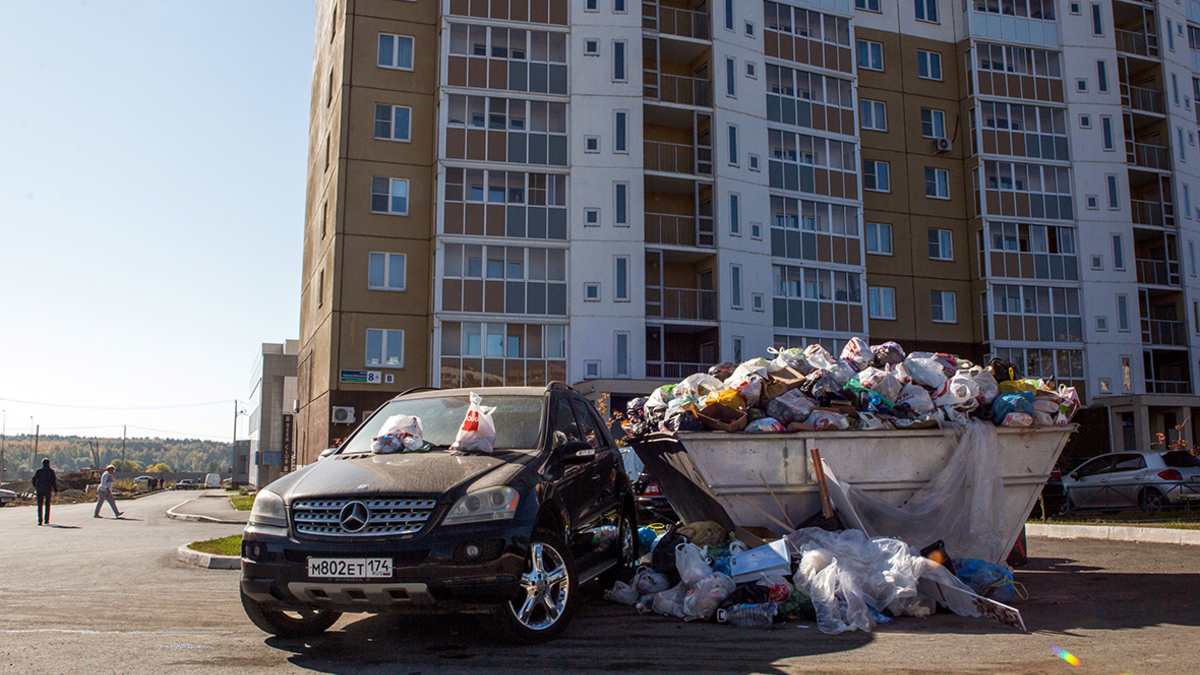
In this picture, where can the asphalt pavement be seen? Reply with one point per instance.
(89, 595)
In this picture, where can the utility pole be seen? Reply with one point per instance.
(3, 430)
(33, 456)
(124, 429)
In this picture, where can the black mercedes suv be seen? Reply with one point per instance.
(510, 534)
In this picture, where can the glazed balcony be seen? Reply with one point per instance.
(1143, 100)
(676, 21)
(1158, 272)
(677, 158)
(1153, 214)
(1148, 156)
(1137, 43)
(1166, 333)
(678, 89)
(667, 229)
(681, 304)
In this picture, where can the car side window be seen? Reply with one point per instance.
(1096, 466)
(587, 424)
(1129, 463)
(566, 429)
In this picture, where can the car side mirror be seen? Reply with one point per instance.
(577, 452)
(326, 453)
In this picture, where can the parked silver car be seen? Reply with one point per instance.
(7, 496)
(1123, 479)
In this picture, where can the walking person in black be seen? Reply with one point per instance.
(45, 483)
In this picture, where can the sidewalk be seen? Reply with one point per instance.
(208, 506)
(1144, 535)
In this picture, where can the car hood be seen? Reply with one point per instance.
(432, 474)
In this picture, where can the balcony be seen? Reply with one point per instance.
(1149, 213)
(683, 23)
(683, 304)
(666, 229)
(1168, 387)
(1137, 43)
(1158, 272)
(1166, 333)
(673, 370)
(677, 158)
(678, 89)
(1147, 156)
(1143, 100)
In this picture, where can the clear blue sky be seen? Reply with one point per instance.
(152, 172)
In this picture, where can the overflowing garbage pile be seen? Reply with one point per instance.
(842, 580)
(868, 388)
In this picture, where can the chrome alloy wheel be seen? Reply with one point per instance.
(627, 534)
(546, 585)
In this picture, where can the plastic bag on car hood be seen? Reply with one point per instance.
(478, 431)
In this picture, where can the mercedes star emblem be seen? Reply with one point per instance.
(354, 517)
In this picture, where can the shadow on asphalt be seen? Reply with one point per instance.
(62, 527)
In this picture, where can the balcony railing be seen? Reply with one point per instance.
(1161, 332)
(688, 304)
(1158, 272)
(1149, 213)
(677, 89)
(1145, 100)
(677, 158)
(1147, 155)
(1137, 43)
(671, 230)
(681, 22)
(1168, 387)
(673, 370)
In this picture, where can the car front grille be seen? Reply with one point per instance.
(373, 517)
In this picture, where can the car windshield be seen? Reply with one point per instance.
(518, 420)
(1179, 459)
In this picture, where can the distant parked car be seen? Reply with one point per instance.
(1123, 479)
(7, 496)
(187, 484)
(143, 479)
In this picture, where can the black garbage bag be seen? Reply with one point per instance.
(821, 386)
(636, 406)
(747, 593)
(663, 558)
(682, 420)
(1003, 370)
(722, 371)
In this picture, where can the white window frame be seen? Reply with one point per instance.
(397, 40)
(735, 214)
(1113, 189)
(1123, 320)
(392, 124)
(887, 175)
(736, 281)
(922, 10)
(591, 47)
(1106, 127)
(875, 302)
(591, 369)
(755, 230)
(621, 367)
(390, 194)
(588, 287)
(934, 116)
(751, 70)
(757, 303)
(878, 229)
(1101, 324)
(877, 114)
(388, 262)
(730, 77)
(384, 356)
(929, 58)
(621, 216)
(617, 297)
(943, 296)
(587, 140)
(620, 128)
(732, 140)
(1118, 252)
(620, 51)
(873, 48)
(587, 217)
(945, 244)
(941, 183)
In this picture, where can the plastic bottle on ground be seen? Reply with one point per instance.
(761, 615)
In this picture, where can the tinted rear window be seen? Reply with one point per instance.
(1180, 459)
(518, 420)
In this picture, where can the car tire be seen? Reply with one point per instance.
(1150, 499)
(627, 543)
(310, 622)
(548, 597)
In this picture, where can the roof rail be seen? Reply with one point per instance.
(561, 385)
(416, 389)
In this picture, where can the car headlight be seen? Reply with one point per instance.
(497, 503)
(268, 510)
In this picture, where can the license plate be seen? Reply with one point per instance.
(350, 568)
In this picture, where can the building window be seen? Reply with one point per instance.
(933, 123)
(622, 280)
(621, 137)
(1076, 9)
(621, 199)
(591, 217)
(1123, 313)
(751, 70)
(622, 349)
(733, 145)
(937, 183)
(755, 230)
(881, 303)
(619, 74)
(385, 348)
(929, 65)
(754, 163)
(591, 292)
(389, 195)
(591, 370)
(735, 286)
(1097, 21)
(735, 215)
(320, 289)
(395, 51)
(1105, 385)
(591, 144)
(1101, 76)
(591, 5)
(879, 238)
(873, 115)
(943, 307)
(393, 122)
(728, 14)
(926, 10)
(756, 302)
(941, 244)
(1192, 258)
(869, 5)
(1097, 262)
(876, 177)
(1182, 148)
(1118, 253)
(1093, 202)
(385, 272)
(324, 219)
(1085, 121)
(619, 7)
(1196, 316)
(1106, 133)
(870, 55)
(1175, 88)
(749, 29)
(737, 349)
(591, 47)
(730, 77)
(1102, 324)
(1114, 201)
(1126, 374)
(1081, 85)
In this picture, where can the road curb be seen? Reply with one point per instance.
(199, 519)
(1140, 535)
(213, 562)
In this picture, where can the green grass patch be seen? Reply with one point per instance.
(1175, 518)
(242, 502)
(223, 546)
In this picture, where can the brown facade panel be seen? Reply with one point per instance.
(473, 295)
(452, 290)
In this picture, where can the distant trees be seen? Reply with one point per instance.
(159, 468)
(70, 453)
(128, 465)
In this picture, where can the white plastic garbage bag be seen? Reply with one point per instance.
(858, 352)
(690, 561)
(989, 389)
(478, 431)
(916, 398)
(623, 593)
(698, 386)
(398, 434)
(959, 392)
(818, 357)
(880, 381)
(925, 371)
(702, 599)
(670, 601)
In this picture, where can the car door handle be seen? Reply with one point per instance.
(595, 476)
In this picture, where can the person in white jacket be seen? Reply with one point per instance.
(104, 491)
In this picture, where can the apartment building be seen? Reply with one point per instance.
(499, 195)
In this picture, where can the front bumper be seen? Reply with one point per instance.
(430, 572)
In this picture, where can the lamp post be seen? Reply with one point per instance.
(3, 433)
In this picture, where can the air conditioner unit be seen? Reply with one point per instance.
(943, 145)
(343, 414)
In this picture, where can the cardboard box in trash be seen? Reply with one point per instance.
(722, 417)
(772, 559)
(780, 383)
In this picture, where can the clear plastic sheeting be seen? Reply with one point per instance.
(963, 505)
